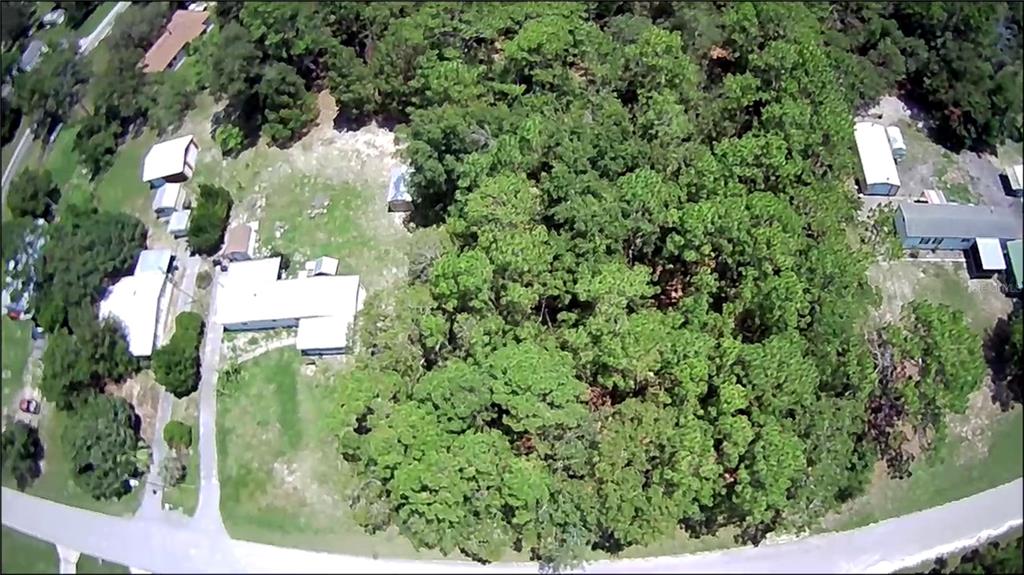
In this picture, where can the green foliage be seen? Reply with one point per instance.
(74, 366)
(50, 91)
(209, 219)
(15, 18)
(233, 68)
(22, 450)
(10, 121)
(203, 279)
(84, 248)
(77, 11)
(96, 143)
(176, 364)
(173, 470)
(33, 194)
(230, 139)
(101, 437)
(994, 557)
(178, 435)
(172, 99)
(288, 108)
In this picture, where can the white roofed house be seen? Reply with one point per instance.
(879, 176)
(171, 161)
(135, 301)
(321, 307)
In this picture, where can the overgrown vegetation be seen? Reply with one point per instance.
(991, 558)
(22, 450)
(81, 364)
(33, 194)
(178, 435)
(176, 364)
(102, 439)
(209, 219)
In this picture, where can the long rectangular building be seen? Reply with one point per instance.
(879, 176)
(953, 226)
(323, 307)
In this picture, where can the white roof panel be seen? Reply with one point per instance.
(398, 189)
(166, 197)
(319, 296)
(178, 221)
(165, 159)
(134, 301)
(991, 253)
(875, 154)
(153, 261)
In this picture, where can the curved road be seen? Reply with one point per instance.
(162, 546)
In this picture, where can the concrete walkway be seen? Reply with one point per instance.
(884, 547)
(207, 516)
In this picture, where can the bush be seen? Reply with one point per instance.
(102, 439)
(176, 364)
(33, 193)
(22, 450)
(209, 219)
(173, 470)
(203, 279)
(230, 138)
(178, 435)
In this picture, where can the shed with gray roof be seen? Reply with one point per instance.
(953, 226)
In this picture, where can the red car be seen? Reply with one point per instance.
(29, 406)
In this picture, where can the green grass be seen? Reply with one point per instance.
(960, 193)
(185, 496)
(94, 19)
(948, 286)
(940, 478)
(56, 481)
(90, 564)
(25, 554)
(17, 342)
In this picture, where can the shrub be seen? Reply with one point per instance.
(176, 364)
(203, 279)
(33, 193)
(209, 219)
(230, 138)
(178, 435)
(22, 450)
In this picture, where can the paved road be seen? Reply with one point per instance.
(85, 45)
(207, 514)
(884, 547)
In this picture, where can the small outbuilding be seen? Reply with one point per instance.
(239, 243)
(167, 199)
(1015, 179)
(177, 225)
(398, 197)
(1015, 271)
(171, 161)
(322, 266)
(985, 258)
(952, 226)
(879, 176)
(896, 143)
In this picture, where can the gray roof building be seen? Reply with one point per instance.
(30, 57)
(958, 221)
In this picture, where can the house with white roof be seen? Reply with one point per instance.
(322, 307)
(879, 176)
(166, 199)
(135, 301)
(170, 161)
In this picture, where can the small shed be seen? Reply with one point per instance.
(1015, 271)
(398, 197)
(879, 176)
(170, 161)
(239, 243)
(177, 225)
(167, 199)
(896, 143)
(322, 266)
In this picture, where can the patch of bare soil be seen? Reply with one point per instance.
(143, 393)
(975, 424)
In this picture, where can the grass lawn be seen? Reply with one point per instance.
(90, 564)
(942, 477)
(94, 19)
(17, 343)
(25, 554)
(186, 495)
(56, 481)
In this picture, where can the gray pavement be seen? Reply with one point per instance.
(883, 547)
(207, 516)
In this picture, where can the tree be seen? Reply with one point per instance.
(50, 91)
(140, 26)
(233, 71)
(101, 438)
(77, 11)
(83, 249)
(22, 451)
(15, 17)
(33, 194)
(96, 142)
(172, 99)
(178, 435)
(230, 139)
(10, 116)
(288, 108)
(176, 364)
(75, 366)
(209, 219)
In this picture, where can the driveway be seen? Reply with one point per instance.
(207, 516)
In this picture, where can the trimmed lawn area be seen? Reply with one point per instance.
(90, 564)
(17, 342)
(944, 476)
(94, 19)
(56, 481)
(185, 496)
(24, 554)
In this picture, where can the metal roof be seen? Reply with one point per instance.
(991, 254)
(958, 221)
(1015, 251)
(875, 154)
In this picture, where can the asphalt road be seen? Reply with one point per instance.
(162, 547)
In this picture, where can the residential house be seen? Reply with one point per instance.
(170, 161)
(170, 49)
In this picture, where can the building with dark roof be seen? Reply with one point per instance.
(953, 226)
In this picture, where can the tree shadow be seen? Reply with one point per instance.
(1006, 383)
(346, 121)
(241, 117)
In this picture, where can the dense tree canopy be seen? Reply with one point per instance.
(75, 366)
(22, 450)
(34, 194)
(48, 93)
(86, 249)
(176, 364)
(649, 316)
(101, 438)
(209, 219)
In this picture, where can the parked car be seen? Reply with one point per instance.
(29, 406)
